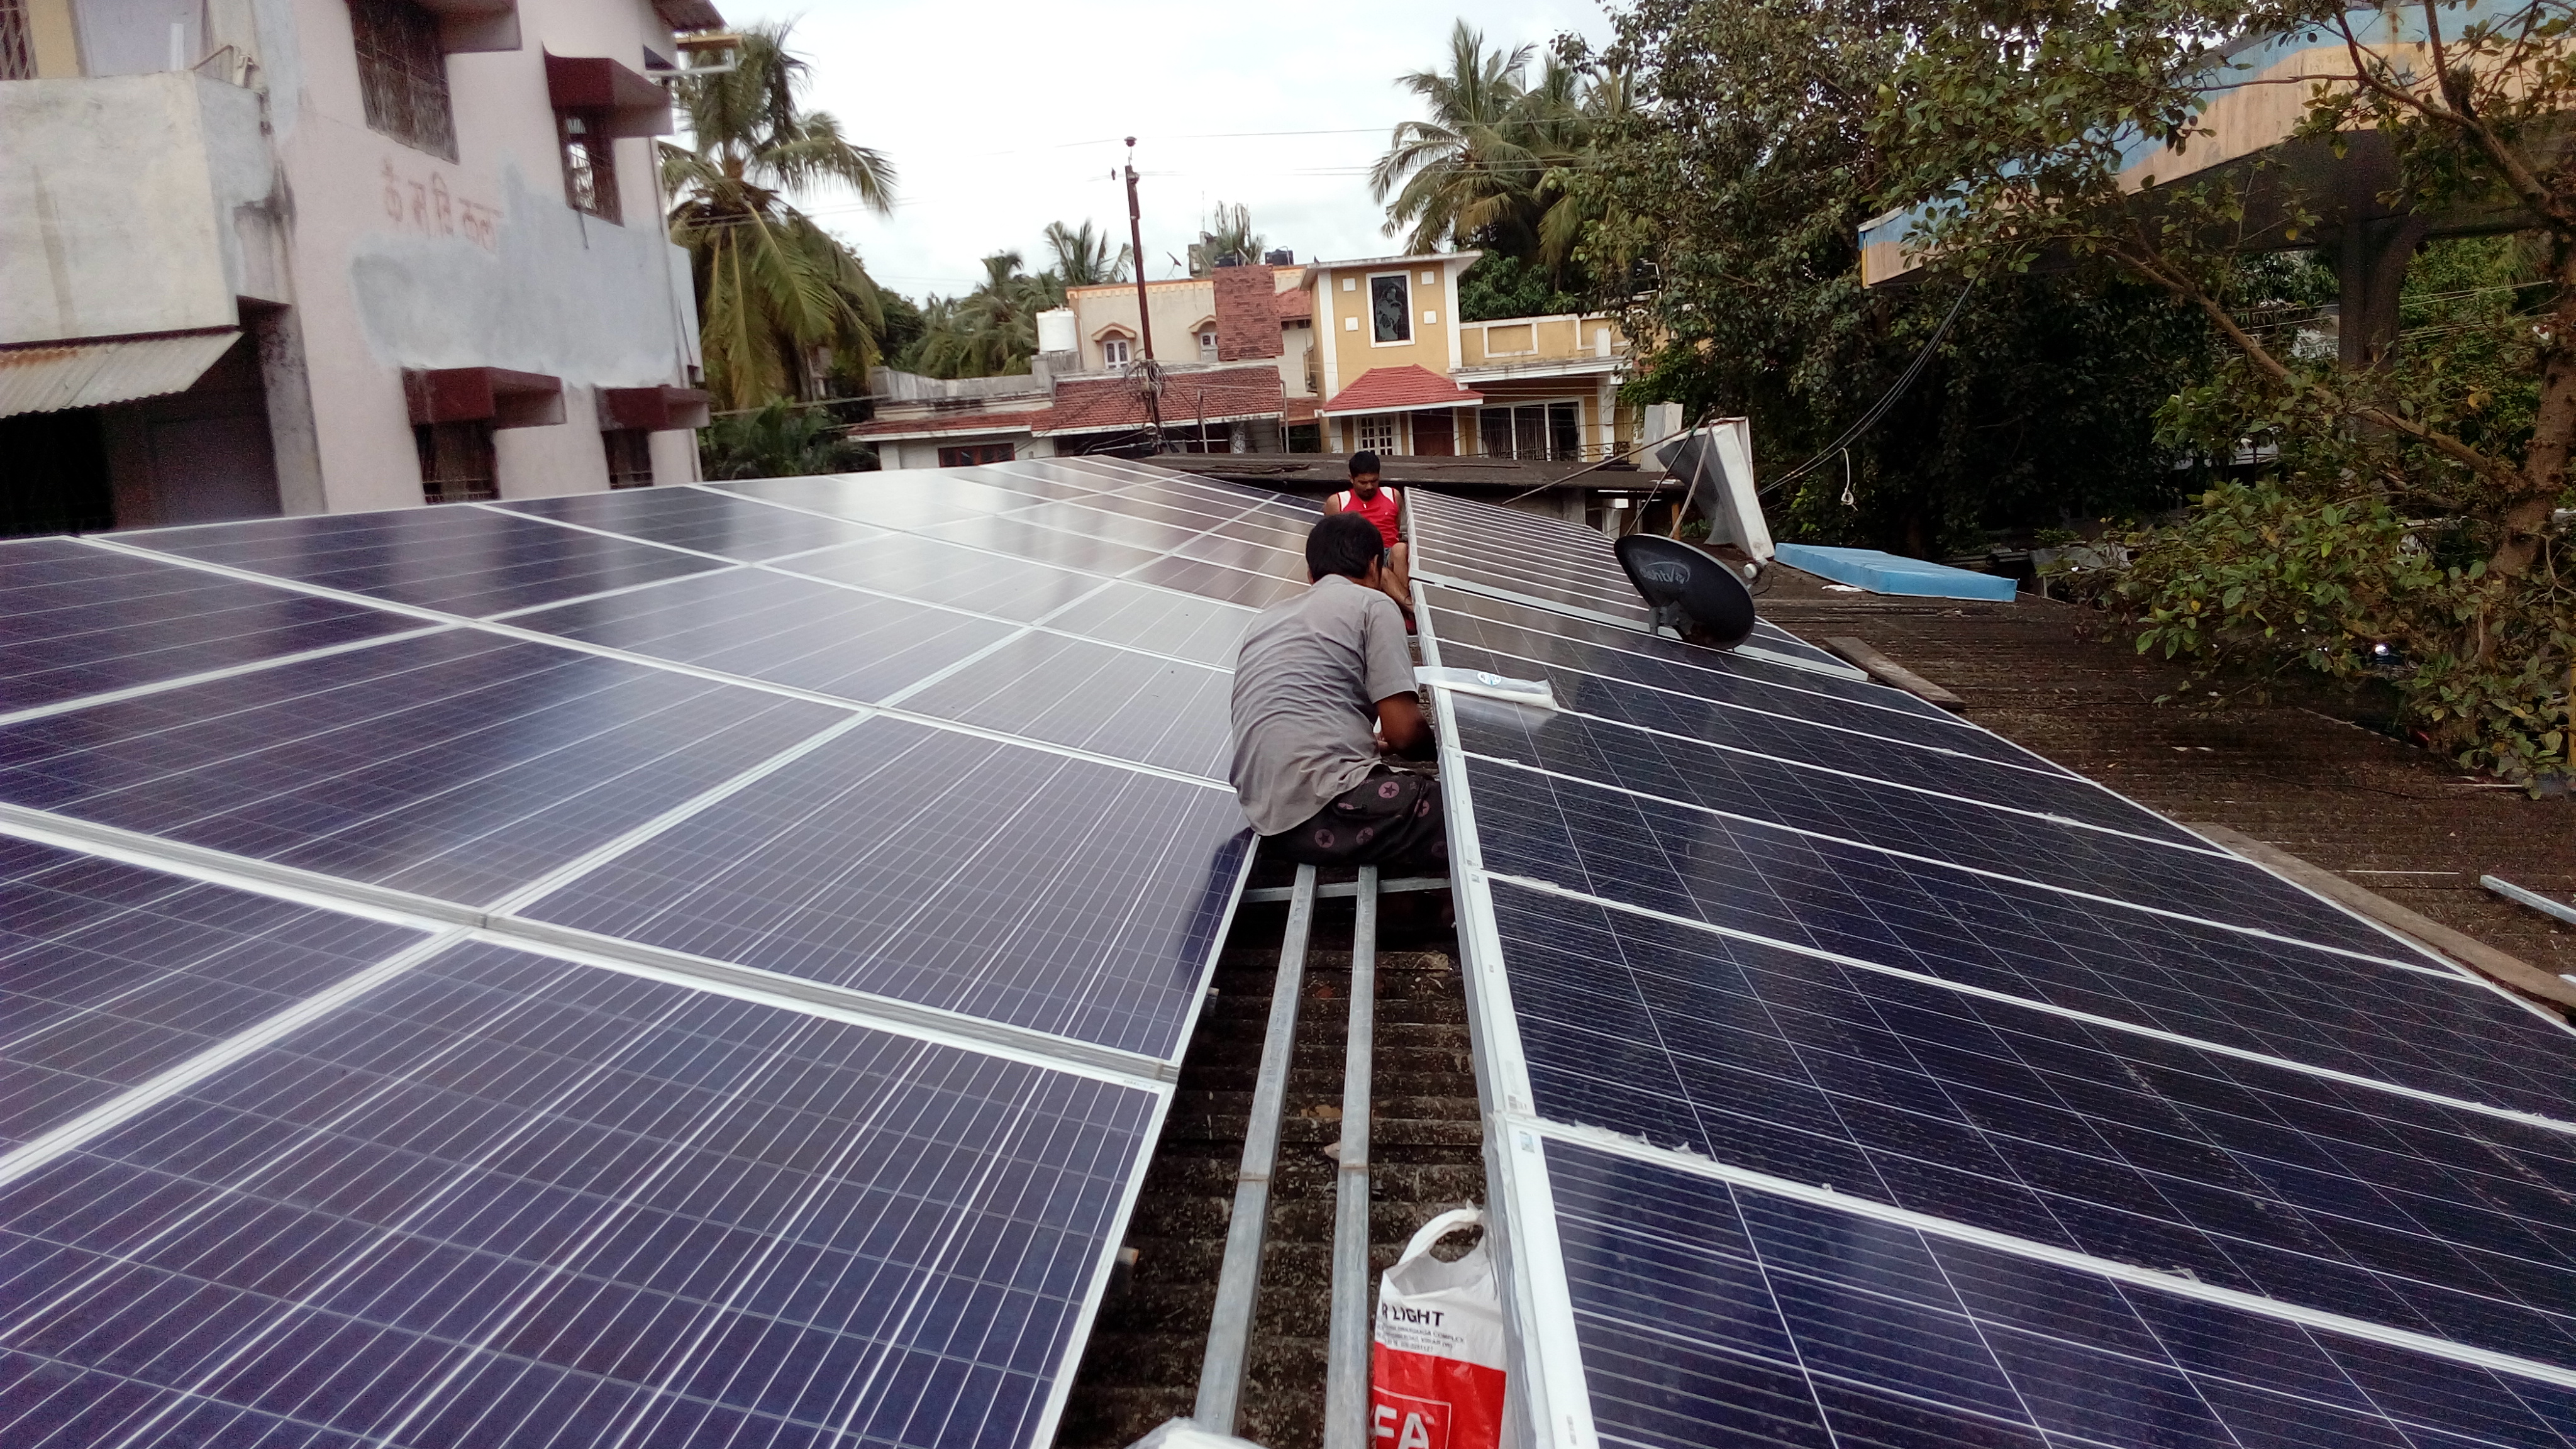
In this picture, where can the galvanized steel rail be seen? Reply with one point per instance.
(1238, 1284)
(1346, 1364)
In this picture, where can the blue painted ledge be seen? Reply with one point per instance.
(1885, 573)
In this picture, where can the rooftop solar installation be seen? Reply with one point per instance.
(695, 966)
(1854, 1076)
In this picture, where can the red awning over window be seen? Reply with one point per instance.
(496, 395)
(626, 103)
(653, 409)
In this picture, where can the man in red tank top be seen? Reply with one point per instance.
(1385, 508)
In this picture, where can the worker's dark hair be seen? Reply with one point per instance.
(1363, 461)
(1345, 544)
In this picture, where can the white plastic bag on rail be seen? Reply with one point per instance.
(1436, 1371)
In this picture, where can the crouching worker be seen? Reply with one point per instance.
(1326, 718)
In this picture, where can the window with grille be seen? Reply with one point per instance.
(1377, 433)
(630, 457)
(1113, 351)
(971, 454)
(402, 74)
(1207, 345)
(589, 166)
(456, 462)
(17, 42)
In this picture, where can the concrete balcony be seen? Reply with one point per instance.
(134, 207)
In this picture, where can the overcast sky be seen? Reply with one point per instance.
(1003, 115)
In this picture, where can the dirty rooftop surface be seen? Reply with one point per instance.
(2300, 774)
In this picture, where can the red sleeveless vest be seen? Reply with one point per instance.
(1381, 510)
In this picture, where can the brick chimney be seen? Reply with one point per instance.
(1247, 313)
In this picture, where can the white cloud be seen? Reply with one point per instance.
(1002, 117)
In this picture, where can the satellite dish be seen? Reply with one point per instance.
(1692, 591)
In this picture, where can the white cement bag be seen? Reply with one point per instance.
(1436, 1371)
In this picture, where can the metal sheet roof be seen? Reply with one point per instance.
(49, 377)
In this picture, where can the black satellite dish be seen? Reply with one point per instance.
(1691, 590)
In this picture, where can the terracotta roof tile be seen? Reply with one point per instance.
(1399, 389)
(1091, 405)
(949, 423)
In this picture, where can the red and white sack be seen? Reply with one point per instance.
(1436, 1371)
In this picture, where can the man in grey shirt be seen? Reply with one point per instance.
(1324, 709)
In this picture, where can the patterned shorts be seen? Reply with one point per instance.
(1392, 818)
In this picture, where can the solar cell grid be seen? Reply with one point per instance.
(1787, 697)
(1508, 627)
(1715, 1315)
(77, 620)
(2438, 1034)
(1282, 536)
(1204, 630)
(1827, 746)
(993, 879)
(509, 1199)
(462, 560)
(2010, 1119)
(947, 574)
(112, 973)
(1522, 553)
(2198, 883)
(763, 625)
(904, 504)
(1263, 559)
(1055, 547)
(697, 518)
(461, 765)
(1094, 697)
(1128, 526)
(1216, 581)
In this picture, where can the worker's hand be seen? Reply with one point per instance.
(1401, 729)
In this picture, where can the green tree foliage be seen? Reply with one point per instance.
(2410, 503)
(775, 290)
(1495, 163)
(989, 332)
(1732, 197)
(1228, 233)
(780, 439)
(1495, 285)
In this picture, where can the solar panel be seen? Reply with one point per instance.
(1713, 1314)
(977, 876)
(469, 561)
(697, 518)
(77, 621)
(113, 973)
(768, 626)
(1860, 1077)
(1216, 581)
(509, 1199)
(801, 1079)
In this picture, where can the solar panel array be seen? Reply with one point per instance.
(1855, 1076)
(701, 965)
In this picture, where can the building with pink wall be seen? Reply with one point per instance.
(298, 256)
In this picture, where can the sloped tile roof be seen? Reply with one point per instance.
(1399, 389)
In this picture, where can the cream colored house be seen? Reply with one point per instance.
(303, 256)
(1398, 372)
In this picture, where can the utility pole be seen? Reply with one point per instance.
(1136, 241)
(1149, 376)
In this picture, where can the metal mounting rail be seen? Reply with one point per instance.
(1346, 1364)
(1238, 1284)
(1352, 888)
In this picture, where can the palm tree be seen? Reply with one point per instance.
(1229, 234)
(990, 331)
(1497, 162)
(1082, 256)
(1465, 170)
(775, 290)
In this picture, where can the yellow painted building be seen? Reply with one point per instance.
(1398, 372)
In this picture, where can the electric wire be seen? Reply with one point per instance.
(1880, 408)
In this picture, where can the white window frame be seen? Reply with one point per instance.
(1392, 426)
(1580, 427)
(1115, 351)
(1207, 344)
(1369, 310)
